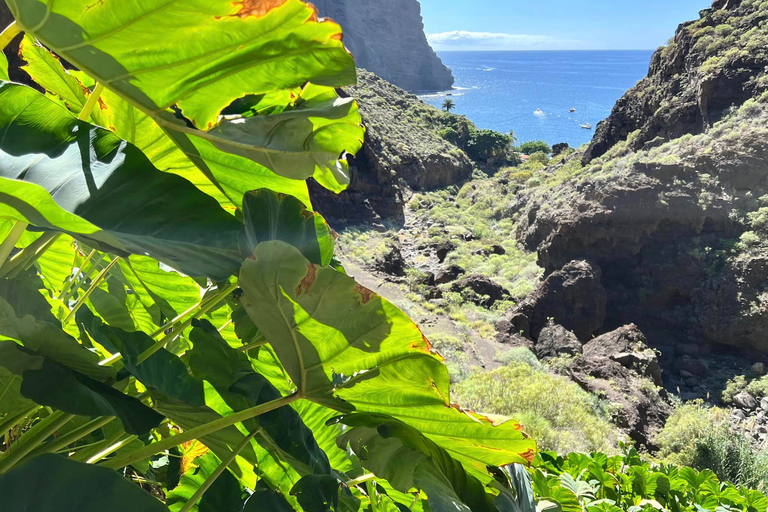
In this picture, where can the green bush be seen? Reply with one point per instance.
(540, 157)
(554, 410)
(534, 146)
(484, 145)
(702, 438)
(519, 355)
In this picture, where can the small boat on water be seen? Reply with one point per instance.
(538, 112)
(586, 126)
(572, 110)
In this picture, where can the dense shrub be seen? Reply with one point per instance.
(485, 145)
(554, 410)
(535, 146)
(702, 438)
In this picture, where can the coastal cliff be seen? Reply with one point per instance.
(387, 38)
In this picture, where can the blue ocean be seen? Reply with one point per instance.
(533, 92)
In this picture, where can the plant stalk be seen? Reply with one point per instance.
(361, 480)
(70, 287)
(99, 278)
(74, 436)
(10, 241)
(30, 253)
(190, 504)
(8, 34)
(34, 438)
(199, 432)
(205, 307)
(109, 450)
(93, 99)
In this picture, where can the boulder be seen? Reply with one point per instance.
(481, 290)
(628, 347)
(392, 262)
(745, 401)
(559, 149)
(442, 249)
(556, 340)
(639, 407)
(494, 249)
(449, 274)
(572, 297)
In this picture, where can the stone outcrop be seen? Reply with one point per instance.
(556, 340)
(387, 38)
(675, 214)
(572, 297)
(401, 153)
(692, 82)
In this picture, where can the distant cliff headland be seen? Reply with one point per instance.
(387, 38)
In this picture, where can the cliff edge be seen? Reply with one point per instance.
(387, 38)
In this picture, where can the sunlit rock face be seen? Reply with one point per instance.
(388, 39)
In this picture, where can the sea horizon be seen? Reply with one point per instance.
(504, 90)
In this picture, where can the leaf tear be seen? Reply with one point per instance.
(309, 279)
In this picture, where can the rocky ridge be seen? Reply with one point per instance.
(387, 38)
(403, 152)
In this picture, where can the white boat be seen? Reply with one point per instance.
(538, 112)
(572, 110)
(586, 126)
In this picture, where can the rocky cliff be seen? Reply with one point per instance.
(710, 66)
(672, 206)
(403, 152)
(388, 39)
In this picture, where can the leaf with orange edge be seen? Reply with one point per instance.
(346, 348)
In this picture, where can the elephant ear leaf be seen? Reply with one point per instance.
(47, 382)
(270, 216)
(162, 371)
(285, 53)
(26, 317)
(62, 174)
(70, 485)
(406, 458)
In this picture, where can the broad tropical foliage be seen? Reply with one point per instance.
(602, 483)
(175, 331)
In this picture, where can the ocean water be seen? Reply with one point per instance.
(502, 90)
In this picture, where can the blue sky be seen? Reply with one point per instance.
(555, 24)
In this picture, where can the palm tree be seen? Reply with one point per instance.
(448, 105)
(513, 140)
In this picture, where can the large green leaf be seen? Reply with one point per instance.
(47, 382)
(406, 458)
(234, 175)
(231, 374)
(51, 483)
(26, 317)
(59, 173)
(162, 371)
(11, 399)
(362, 349)
(270, 216)
(48, 72)
(248, 48)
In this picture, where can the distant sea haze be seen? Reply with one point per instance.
(503, 90)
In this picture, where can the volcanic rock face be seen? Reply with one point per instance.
(674, 214)
(402, 152)
(691, 83)
(387, 38)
